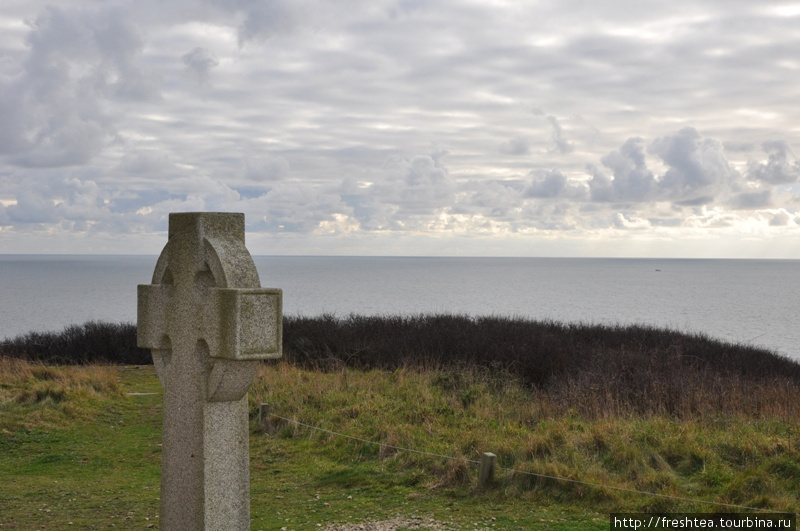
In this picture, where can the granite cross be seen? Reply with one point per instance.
(208, 323)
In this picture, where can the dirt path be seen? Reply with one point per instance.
(395, 523)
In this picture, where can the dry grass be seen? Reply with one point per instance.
(711, 452)
(48, 395)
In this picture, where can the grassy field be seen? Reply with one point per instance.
(79, 451)
(612, 410)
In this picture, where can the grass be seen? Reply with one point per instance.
(741, 460)
(637, 409)
(92, 456)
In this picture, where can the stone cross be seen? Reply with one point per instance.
(208, 323)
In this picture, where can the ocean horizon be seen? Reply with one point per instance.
(750, 301)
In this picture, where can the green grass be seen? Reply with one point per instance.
(76, 448)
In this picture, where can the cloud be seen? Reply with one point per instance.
(629, 221)
(69, 199)
(145, 163)
(77, 62)
(563, 146)
(552, 184)
(778, 169)
(632, 181)
(263, 168)
(199, 63)
(752, 200)
(697, 172)
(264, 18)
(295, 207)
(516, 146)
(781, 219)
(697, 167)
(418, 185)
(319, 118)
(491, 199)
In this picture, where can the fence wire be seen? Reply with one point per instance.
(515, 471)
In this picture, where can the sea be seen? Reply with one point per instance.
(754, 302)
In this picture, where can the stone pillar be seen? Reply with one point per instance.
(208, 323)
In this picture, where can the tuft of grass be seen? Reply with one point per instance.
(33, 395)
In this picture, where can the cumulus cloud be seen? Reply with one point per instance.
(628, 221)
(778, 169)
(698, 169)
(552, 184)
(295, 207)
(491, 199)
(547, 185)
(697, 173)
(632, 181)
(416, 185)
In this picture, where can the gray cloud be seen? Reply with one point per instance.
(311, 114)
(778, 169)
(563, 146)
(68, 199)
(632, 181)
(199, 63)
(781, 219)
(498, 200)
(416, 185)
(77, 62)
(752, 200)
(260, 168)
(547, 185)
(698, 169)
(552, 184)
(516, 146)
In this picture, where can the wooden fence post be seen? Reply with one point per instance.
(263, 417)
(486, 475)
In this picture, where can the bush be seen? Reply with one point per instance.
(598, 370)
(538, 351)
(92, 342)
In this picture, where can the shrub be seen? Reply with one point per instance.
(92, 342)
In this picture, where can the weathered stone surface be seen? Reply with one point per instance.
(208, 323)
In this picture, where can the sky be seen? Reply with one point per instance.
(404, 127)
